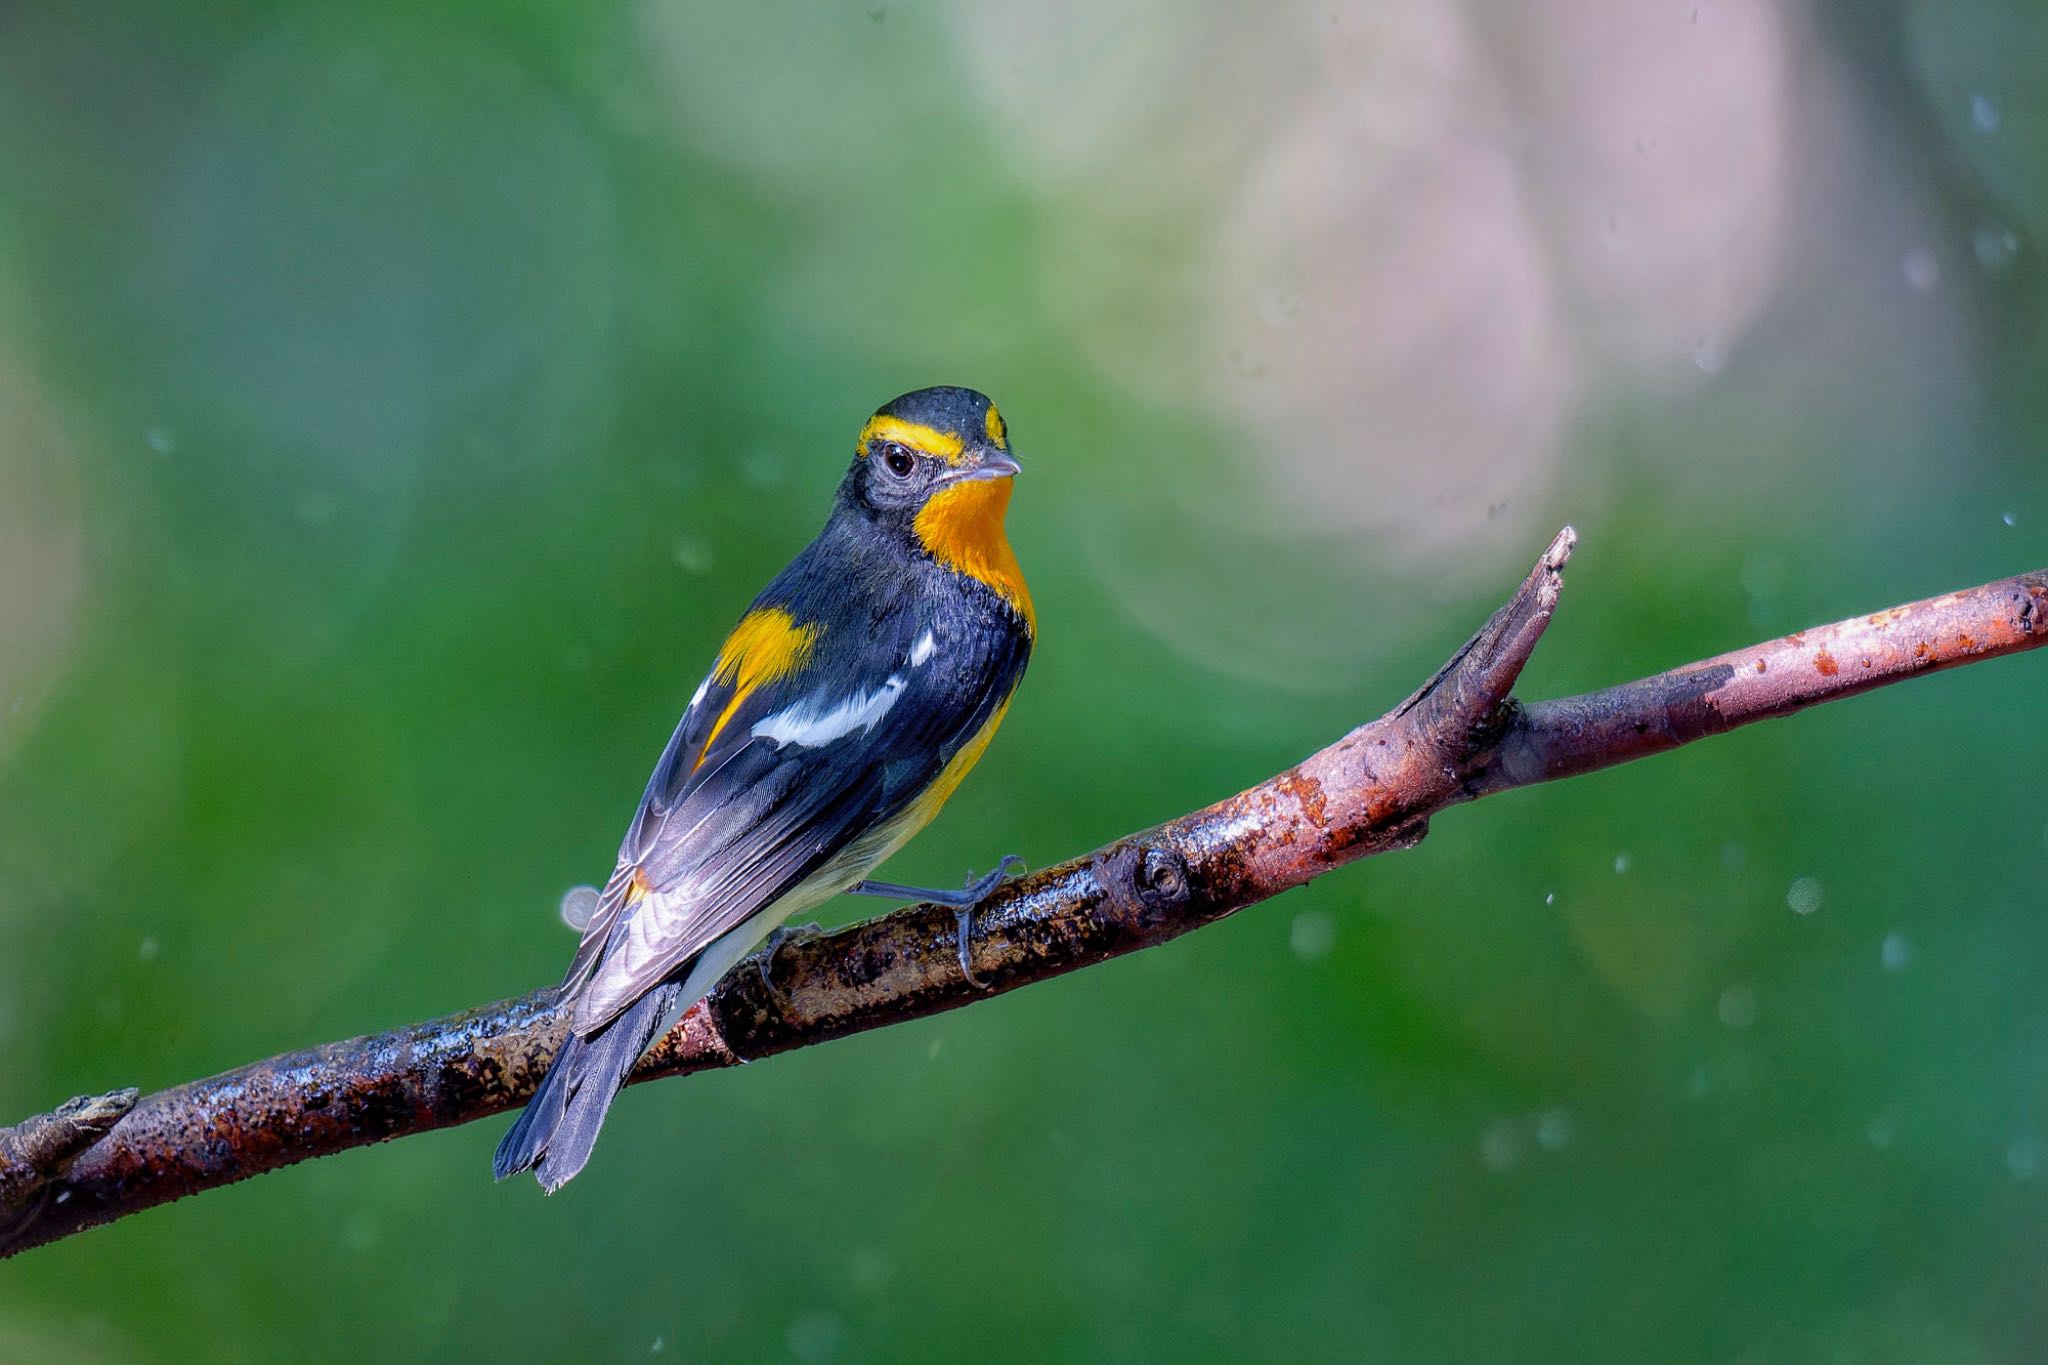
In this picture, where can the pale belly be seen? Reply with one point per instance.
(850, 867)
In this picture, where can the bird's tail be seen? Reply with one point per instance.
(554, 1135)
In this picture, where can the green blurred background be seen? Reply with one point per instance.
(397, 406)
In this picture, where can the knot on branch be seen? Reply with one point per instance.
(1493, 725)
(1461, 736)
(1144, 883)
(1464, 701)
(39, 1150)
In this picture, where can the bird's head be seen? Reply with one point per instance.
(935, 455)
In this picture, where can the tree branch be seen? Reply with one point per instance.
(1460, 737)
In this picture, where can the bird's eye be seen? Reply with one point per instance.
(898, 459)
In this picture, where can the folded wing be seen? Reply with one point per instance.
(776, 771)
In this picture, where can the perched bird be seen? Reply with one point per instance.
(842, 711)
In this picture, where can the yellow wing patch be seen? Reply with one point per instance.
(962, 526)
(946, 445)
(765, 645)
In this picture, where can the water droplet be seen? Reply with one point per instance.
(816, 1335)
(2023, 1157)
(356, 70)
(1921, 270)
(149, 948)
(1995, 248)
(692, 554)
(1550, 898)
(1737, 1007)
(1805, 895)
(579, 903)
(1312, 935)
(2011, 519)
(63, 1196)
(1501, 1145)
(931, 1053)
(1709, 355)
(1280, 305)
(162, 440)
(1896, 952)
(660, 1345)
(1984, 114)
(1763, 575)
(1553, 1129)
(871, 1270)
(1620, 863)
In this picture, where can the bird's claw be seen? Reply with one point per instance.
(764, 958)
(962, 903)
(978, 890)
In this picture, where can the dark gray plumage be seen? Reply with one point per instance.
(553, 1136)
(784, 783)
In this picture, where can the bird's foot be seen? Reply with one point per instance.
(764, 958)
(962, 902)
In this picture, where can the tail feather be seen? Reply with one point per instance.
(555, 1134)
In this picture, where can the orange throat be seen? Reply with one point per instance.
(962, 527)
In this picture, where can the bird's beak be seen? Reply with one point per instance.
(993, 464)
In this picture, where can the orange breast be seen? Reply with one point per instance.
(962, 526)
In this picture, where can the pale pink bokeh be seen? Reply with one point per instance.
(1396, 247)
(1480, 230)
(41, 551)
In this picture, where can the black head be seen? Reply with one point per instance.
(923, 444)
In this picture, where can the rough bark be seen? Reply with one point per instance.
(1461, 736)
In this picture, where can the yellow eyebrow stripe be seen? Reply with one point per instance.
(946, 445)
(997, 431)
(765, 645)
